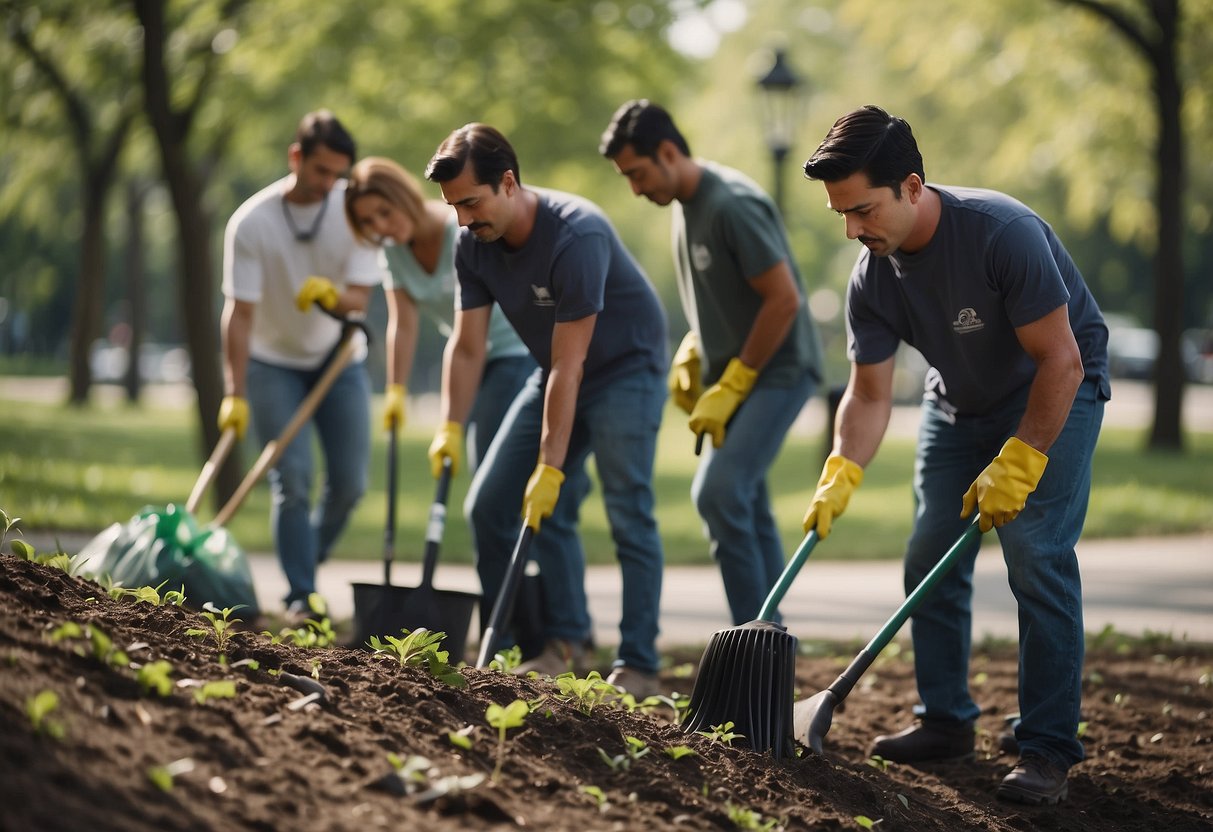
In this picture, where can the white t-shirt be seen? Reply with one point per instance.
(263, 263)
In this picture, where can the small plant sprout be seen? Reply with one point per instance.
(677, 752)
(221, 627)
(877, 762)
(633, 750)
(722, 733)
(156, 677)
(507, 659)
(744, 818)
(866, 822)
(420, 648)
(584, 694)
(903, 800)
(462, 738)
(219, 689)
(503, 719)
(39, 708)
(599, 796)
(6, 525)
(162, 776)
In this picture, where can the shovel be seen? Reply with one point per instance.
(383, 610)
(747, 674)
(813, 716)
(503, 607)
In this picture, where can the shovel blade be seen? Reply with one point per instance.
(381, 611)
(746, 677)
(812, 718)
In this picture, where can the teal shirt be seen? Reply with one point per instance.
(434, 293)
(727, 234)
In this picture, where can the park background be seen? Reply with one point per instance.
(133, 129)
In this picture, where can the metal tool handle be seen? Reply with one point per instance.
(389, 527)
(767, 613)
(436, 526)
(503, 608)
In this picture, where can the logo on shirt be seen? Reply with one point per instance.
(701, 258)
(967, 321)
(542, 296)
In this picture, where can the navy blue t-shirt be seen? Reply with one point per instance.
(992, 265)
(573, 265)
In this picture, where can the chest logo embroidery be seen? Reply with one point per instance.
(701, 258)
(542, 296)
(967, 321)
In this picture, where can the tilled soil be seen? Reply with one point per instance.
(268, 759)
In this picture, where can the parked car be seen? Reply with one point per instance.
(1132, 351)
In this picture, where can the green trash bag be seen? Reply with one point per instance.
(167, 545)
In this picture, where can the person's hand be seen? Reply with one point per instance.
(1001, 490)
(542, 492)
(317, 290)
(685, 381)
(717, 405)
(233, 413)
(447, 444)
(393, 407)
(839, 477)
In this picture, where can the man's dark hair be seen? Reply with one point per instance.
(322, 128)
(489, 152)
(871, 141)
(644, 125)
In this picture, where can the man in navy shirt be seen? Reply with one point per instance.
(590, 317)
(982, 287)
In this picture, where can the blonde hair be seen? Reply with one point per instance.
(379, 176)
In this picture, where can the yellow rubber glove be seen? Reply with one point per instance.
(542, 492)
(317, 290)
(1001, 490)
(839, 477)
(233, 413)
(685, 379)
(447, 444)
(393, 407)
(717, 405)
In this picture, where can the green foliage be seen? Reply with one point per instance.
(634, 749)
(584, 694)
(217, 689)
(38, 708)
(156, 677)
(150, 595)
(506, 660)
(599, 796)
(503, 719)
(462, 738)
(420, 648)
(96, 642)
(677, 752)
(220, 630)
(866, 822)
(722, 733)
(744, 818)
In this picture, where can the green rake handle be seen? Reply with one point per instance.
(767, 613)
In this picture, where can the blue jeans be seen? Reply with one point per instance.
(730, 492)
(618, 424)
(1038, 547)
(502, 379)
(302, 537)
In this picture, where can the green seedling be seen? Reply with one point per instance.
(7, 523)
(462, 738)
(39, 708)
(420, 648)
(584, 694)
(220, 689)
(101, 645)
(877, 762)
(149, 594)
(506, 660)
(156, 677)
(599, 796)
(722, 733)
(676, 702)
(503, 719)
(633, 750)
(866, 822)
(422, 782)
(162, 776)
(221, 627)
(677, 752)
(744, 818)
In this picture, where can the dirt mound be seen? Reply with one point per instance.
(130, 759)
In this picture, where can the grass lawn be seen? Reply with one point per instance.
(81, 470)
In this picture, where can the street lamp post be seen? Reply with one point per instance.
(780, 111)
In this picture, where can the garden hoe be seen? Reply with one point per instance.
(383, 610)
(814, 715)
(747, 674)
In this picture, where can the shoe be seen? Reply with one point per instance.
(299, 613)
(636, 682)
(558, 657)
(1034, 780)
(927, 741)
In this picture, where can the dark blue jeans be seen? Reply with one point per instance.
(1042, 569)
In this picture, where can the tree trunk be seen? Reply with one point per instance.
(136, 192)
(90, 282)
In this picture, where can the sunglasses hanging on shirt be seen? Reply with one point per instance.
(310, 234)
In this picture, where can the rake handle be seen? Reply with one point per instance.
(222, 448)
(767, 613)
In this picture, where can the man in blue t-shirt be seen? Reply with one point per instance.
(751, 358)
(585, 310)
(982, 287)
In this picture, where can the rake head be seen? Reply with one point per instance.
(747, 676)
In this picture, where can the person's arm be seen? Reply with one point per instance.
(353, 299)
(402, 325)
(864, 411)
(1059, 372)
(780, 303)
(463, 362)
(236, 330)
(570, 342)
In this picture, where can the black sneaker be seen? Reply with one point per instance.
(927, 741)
(1034, 780)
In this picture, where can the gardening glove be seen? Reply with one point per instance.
(317, 290)
(718, 403)
(1002, 489)
(233, 413)
(685, 382)
(393, 407)
(542, 491)
(447, 444)
(839, 477)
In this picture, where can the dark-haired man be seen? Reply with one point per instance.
(286, 248)
(589, 316)
(751, 358)
(1012, 407)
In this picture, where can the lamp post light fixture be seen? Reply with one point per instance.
(779, 90)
